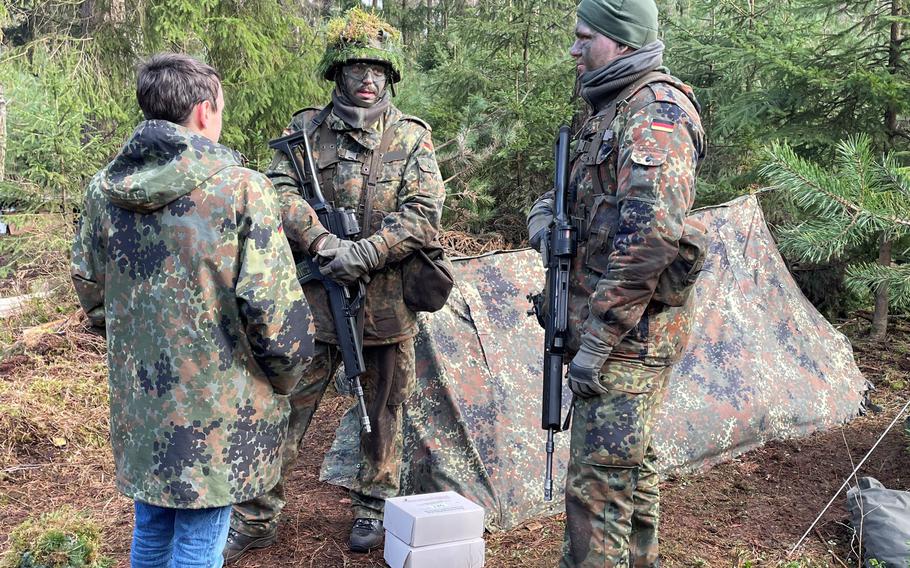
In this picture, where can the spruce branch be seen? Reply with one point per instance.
(866, 276)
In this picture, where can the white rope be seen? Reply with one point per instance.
(846, 481)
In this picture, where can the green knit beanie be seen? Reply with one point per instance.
(630, 22)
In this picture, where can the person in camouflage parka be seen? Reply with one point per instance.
(181, 260)
(632, 186)
(359, 140)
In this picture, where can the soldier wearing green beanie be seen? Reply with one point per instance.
(630, 307)
(376, 161)
(630, 22)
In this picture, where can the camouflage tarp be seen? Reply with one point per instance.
(762, 364)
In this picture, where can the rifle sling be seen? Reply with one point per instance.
(325, 178)
(371, 167)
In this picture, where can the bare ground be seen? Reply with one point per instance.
(747, 512)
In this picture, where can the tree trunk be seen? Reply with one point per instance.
(894, 64)
(87, 17)
(880, 315)
(2, 134)
(401, 22)
(117, 14)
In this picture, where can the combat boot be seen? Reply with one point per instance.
(366, 534)
(238, 543)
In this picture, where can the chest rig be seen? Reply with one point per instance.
(370, 164)
(594, 151)
(599, 211)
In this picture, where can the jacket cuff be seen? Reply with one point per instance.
(382, 249)
(313, 247)
(311, 236)
(596, 330)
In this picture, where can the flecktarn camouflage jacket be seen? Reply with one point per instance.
(630, 224)
(406, 210)
(181, 257)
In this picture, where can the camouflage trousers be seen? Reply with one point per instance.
(612, 499)
(388, 380)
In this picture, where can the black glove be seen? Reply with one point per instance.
(539, 219)
(328, 246)
(537, 238)
(352, 262)
(584, 370)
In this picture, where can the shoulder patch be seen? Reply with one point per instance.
(664, 92)
(419, 121)
(662, 125)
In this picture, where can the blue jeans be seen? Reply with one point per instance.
(179, 538)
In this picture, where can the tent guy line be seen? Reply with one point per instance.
(847, 481)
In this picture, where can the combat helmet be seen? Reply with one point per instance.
(360, 35)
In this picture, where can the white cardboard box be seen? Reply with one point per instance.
(433, 518)
(458, 554)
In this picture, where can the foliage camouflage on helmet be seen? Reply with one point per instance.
(360, 35)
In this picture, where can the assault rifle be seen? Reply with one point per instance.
(346, 302)
(559, 248)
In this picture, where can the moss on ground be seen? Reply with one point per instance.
(64, 538)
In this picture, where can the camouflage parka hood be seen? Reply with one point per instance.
(181, 258)
(160, 163)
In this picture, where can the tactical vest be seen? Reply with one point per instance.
(345, 167)
(594, 152)
(371, 163)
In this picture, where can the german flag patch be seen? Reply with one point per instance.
(662, 125)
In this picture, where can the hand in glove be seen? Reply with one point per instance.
(536, 240)
(539, 220)
(584, 370)
(327, 246)
(351, 262)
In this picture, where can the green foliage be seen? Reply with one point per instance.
(61, 539)
(808, 72)
(265, 54)
(52, 149)
(72, 95)
(848, 211)
(494, 78)
(495, 90)
(359, 34)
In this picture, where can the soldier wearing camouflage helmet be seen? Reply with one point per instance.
(375, 160)
(181, 259)
(631, 188)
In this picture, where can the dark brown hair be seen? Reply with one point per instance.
(169, 85)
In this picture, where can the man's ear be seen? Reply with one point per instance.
(204, 112)
(196, 120)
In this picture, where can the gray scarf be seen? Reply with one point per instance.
(600, 86)
(357, 116)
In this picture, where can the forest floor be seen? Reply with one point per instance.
(54, 452)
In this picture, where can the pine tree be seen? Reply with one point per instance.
(811, 72)
(849, 211)
(496, 83)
